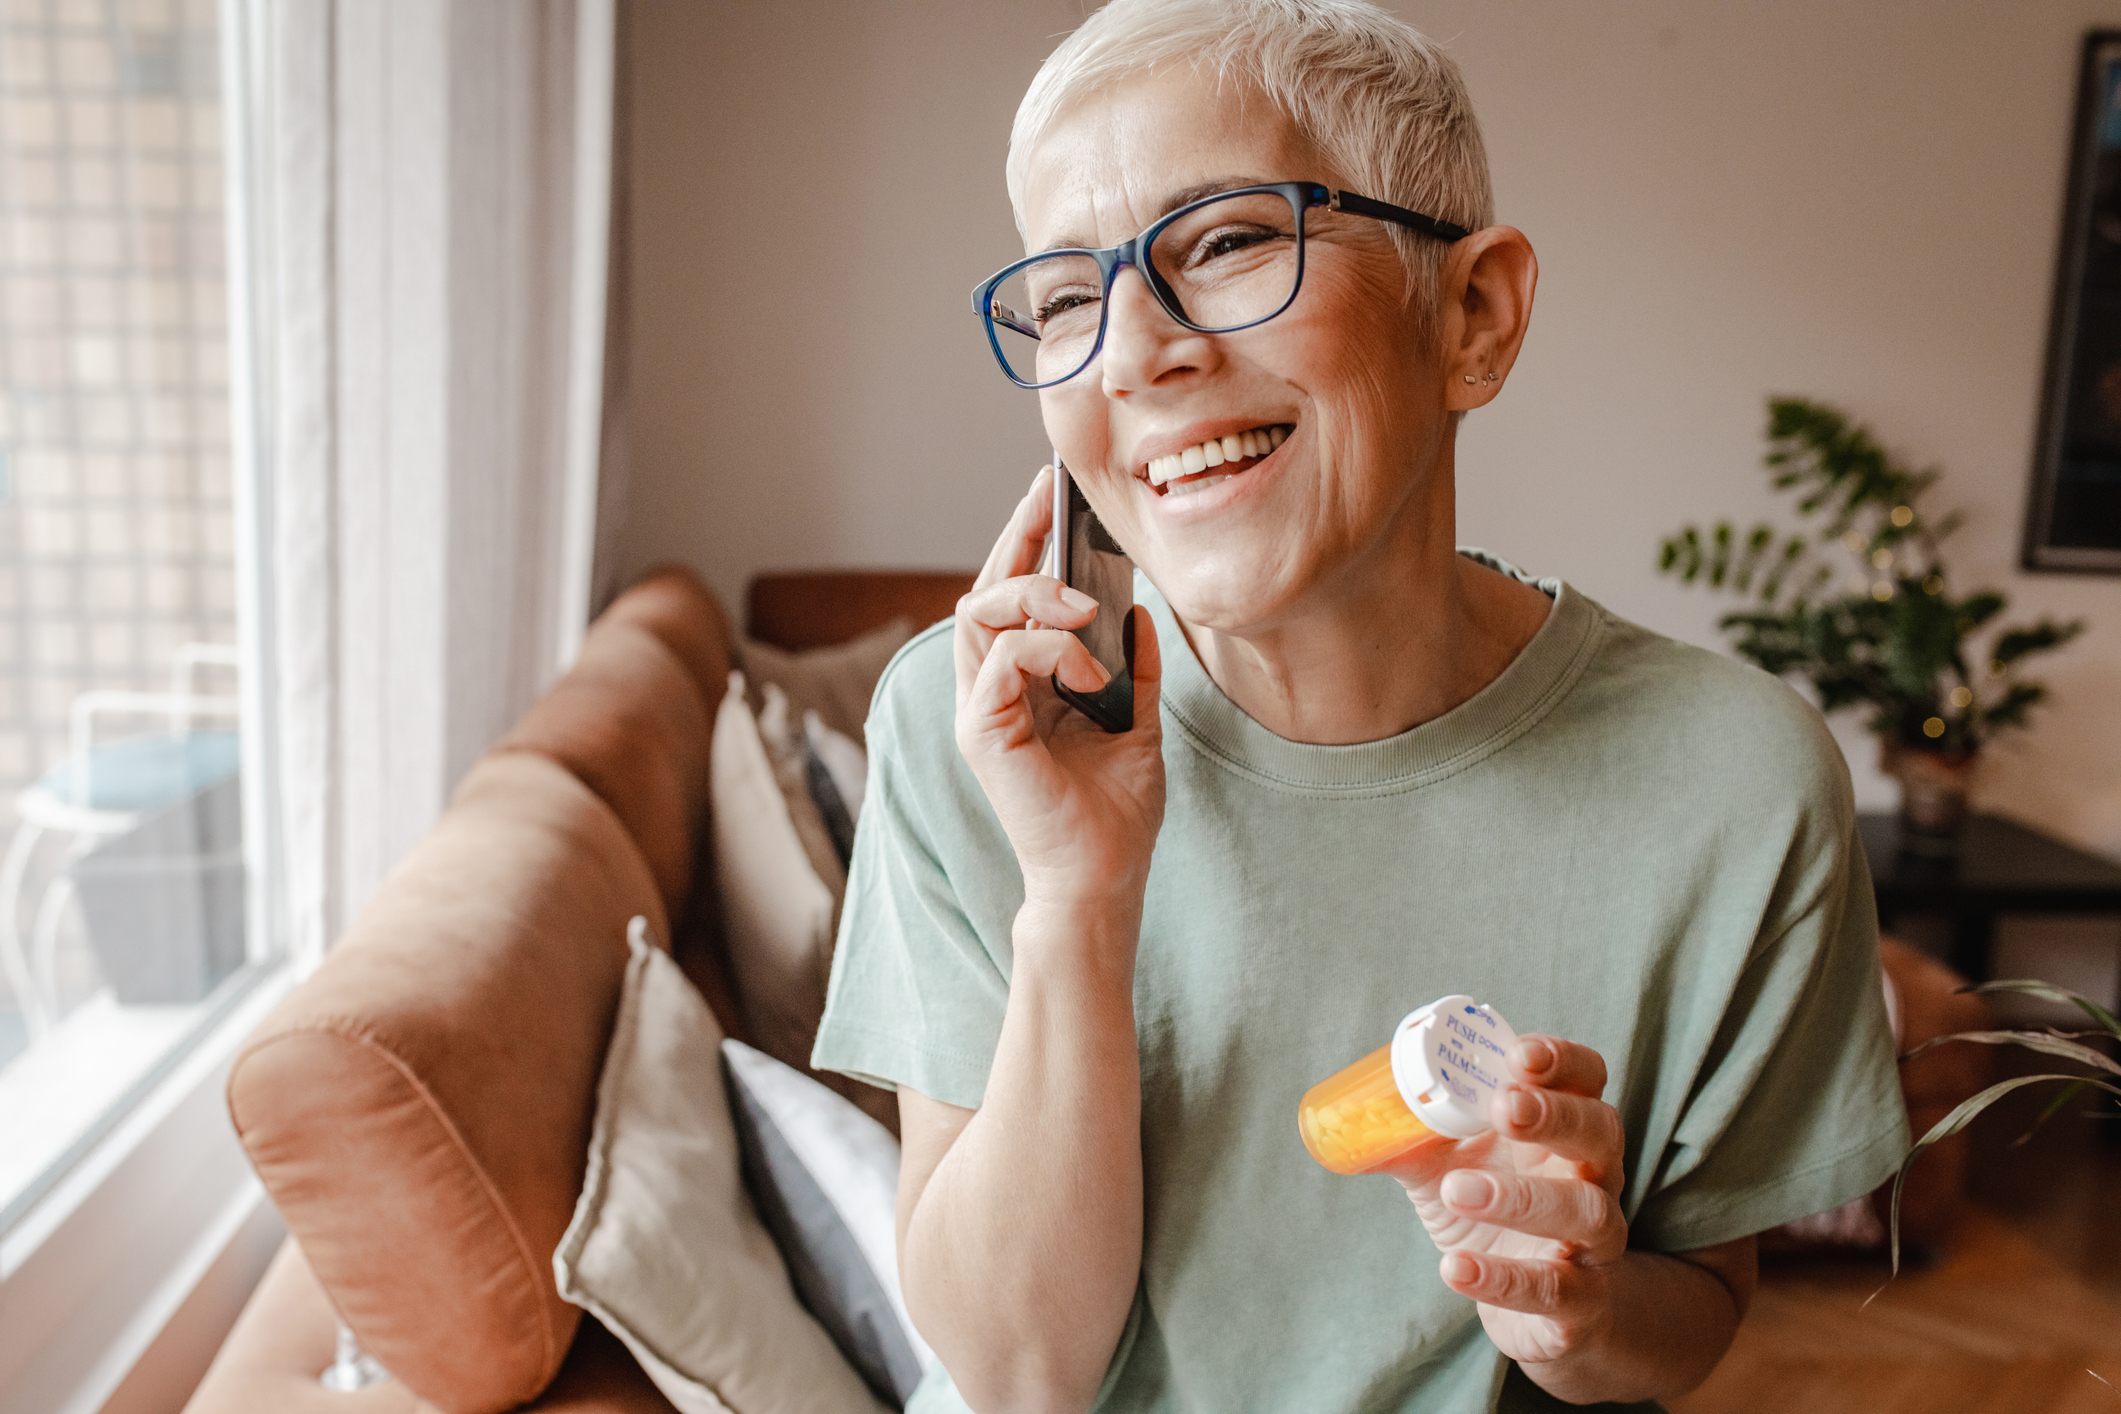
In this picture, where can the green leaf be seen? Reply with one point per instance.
(2048, 991)
(1960, 1117)
(2045, 1042)
(2010, 709)
(1978, 609)
(2039, 638)
(1720, 559)
(1756, 545)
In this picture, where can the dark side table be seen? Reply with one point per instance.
(2001, 867)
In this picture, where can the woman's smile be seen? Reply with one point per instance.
(1187, 464)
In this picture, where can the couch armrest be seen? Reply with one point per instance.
(419, 1109)
(285, 1337)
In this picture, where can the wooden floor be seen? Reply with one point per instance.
(1997, 1327)
(2025, 1300)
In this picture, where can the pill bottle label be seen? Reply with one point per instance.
(1449, 1058)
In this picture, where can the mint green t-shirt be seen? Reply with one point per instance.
(1623, 840)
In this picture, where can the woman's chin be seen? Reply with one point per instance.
(1232, 596)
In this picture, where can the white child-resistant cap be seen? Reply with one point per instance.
(1448, 1059)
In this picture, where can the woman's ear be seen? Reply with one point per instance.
(1485, 307)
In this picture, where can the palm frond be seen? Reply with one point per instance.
(2048, 991)
(2045, 1042)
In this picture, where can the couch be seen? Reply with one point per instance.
(419, 1108)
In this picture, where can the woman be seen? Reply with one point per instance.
(1365, 770)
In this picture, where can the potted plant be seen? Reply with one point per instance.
(1860, 604)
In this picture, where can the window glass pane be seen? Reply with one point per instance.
(125, 906)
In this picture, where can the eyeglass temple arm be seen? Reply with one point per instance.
(987, 305)
(1385, 211)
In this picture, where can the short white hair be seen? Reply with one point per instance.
(1381, 101)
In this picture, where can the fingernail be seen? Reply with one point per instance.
(1041, 476)
(1523, 1107)
(1104, 674)
(1460, 1268)
(1466, 1189)
(1077, 600)
(1535, 1056)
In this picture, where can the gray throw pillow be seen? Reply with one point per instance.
(824, 1179)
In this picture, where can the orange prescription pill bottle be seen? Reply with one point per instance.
(1436, 1076)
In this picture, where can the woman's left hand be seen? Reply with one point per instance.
(1528, 1216)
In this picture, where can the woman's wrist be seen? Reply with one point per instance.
(1084, 899)
(1670, 1321)
(1088, 932)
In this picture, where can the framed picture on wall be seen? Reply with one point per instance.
(2073, 522)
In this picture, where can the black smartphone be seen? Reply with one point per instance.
(1084, 556)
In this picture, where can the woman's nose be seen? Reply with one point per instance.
(1143, 343)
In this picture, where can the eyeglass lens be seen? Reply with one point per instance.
(1228, 263)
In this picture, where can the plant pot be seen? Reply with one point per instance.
(1933, 788)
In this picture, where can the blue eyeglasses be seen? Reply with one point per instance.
(1223, 263)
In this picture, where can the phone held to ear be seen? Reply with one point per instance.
(1083, 555)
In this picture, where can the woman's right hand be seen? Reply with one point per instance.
(1081, 806)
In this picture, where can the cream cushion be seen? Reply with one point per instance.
(835, 682)
(665, 1249)
(777, 915)
(788, 749)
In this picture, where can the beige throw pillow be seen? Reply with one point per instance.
(835, 682)
(777, 915)
(665, 1249)
(787, 747)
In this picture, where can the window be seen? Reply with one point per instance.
(133, 906)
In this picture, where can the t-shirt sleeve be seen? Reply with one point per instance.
(916, 996)
(1796, 1108)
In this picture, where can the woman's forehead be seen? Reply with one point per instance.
(1115, 161)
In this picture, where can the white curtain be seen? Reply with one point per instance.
(437, 212)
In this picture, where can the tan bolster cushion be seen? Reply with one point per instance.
(672, 604)
(628, 721)
(284, 1339)
(419, 1109)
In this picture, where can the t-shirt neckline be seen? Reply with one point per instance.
(1537, 678)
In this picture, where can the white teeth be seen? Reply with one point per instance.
(1189, 488)
(1217, 451)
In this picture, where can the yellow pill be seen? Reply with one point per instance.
(1356, 1121)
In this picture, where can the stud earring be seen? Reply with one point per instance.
(1469, 377)
(1494, 377)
